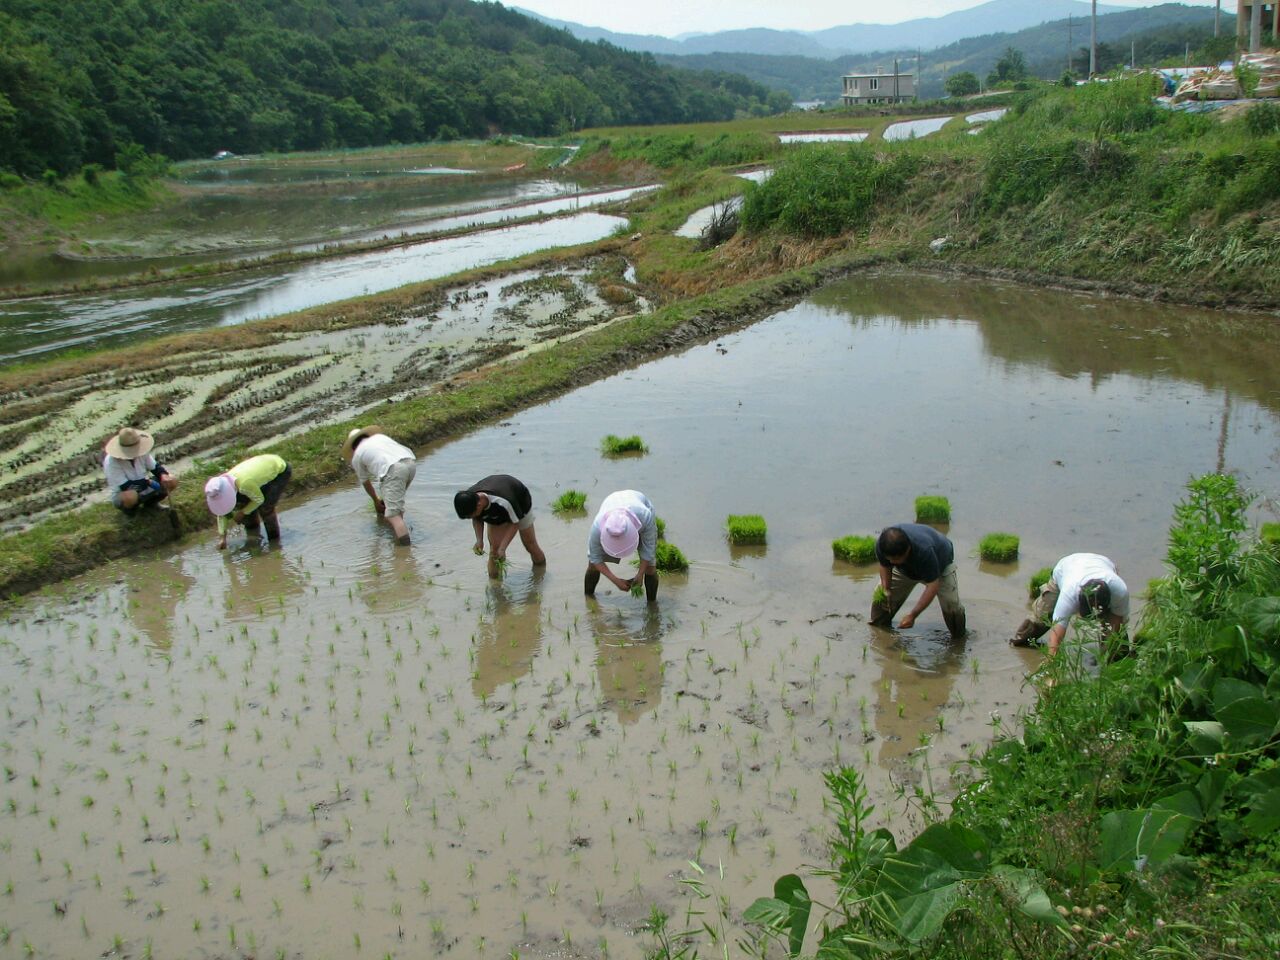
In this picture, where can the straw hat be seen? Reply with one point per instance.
(129, 444)
(355, 435)
(220, 494)
(619, 533)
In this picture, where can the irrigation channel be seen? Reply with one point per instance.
(341, 746)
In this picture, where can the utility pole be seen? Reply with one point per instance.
(1093, 40)
(1133, 55)
(895, 79)
(1255, 25)
(1069, 43)
(1217, 18)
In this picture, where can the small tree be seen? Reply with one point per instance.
(964, 84)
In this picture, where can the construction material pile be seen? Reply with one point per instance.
(1254, 75)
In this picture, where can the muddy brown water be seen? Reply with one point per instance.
(342, 748)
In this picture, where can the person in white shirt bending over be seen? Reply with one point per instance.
(385, 469)
(1082, 583)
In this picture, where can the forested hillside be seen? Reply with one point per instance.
(82, 81)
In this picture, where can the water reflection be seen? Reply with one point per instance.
(260, 582)
(918, 671)
(153, 592)
(391, 577)
(628, 657)
(510, 632)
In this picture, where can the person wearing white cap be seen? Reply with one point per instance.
(624, 524)
(134, 477)
(379, 460)
(247, 494)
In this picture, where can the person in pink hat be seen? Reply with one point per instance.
(247, 494)
(624, 525)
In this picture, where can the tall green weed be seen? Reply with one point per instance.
(821, 191)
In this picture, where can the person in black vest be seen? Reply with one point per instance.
(912, 553)
(505, 504)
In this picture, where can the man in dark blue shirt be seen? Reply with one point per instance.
(912, 553)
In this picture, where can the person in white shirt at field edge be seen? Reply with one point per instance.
(385, 469)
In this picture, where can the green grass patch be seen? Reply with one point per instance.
(999, 547)
(1038, 580)
(933, 509)
(670, 558)
(1270, 533)
(746, 528)
(570, 501)
(613, 445)
(855, 549)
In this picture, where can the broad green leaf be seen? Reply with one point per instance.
(1183, 801)
(924, 880)
(1210, 788)
(790, 889)
(1262, 617)
(1205, 736)
(1264, 814)
(1197, 681)
(1243, 711)
(1031, 898)
(1141, 840)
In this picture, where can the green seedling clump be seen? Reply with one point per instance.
(1038, 580)
(746, 528)
(1270, 533)
(613, 445)
(670, 557)
(569, 501)
(662, 528)
(637, 590)
(999, 547)
(878, 595)
(855, 549)
(933, 510)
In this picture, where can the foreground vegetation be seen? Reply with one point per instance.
(1136, 814)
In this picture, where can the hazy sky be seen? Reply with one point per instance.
(670, 17)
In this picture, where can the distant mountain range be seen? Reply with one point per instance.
(995, 16)
(1156, 34)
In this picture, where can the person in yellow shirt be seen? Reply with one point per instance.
(247, 494)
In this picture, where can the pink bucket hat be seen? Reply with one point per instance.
(220, 494)
(619, 533)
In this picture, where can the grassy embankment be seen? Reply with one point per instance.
(1134, 816)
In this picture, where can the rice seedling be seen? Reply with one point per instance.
(670, 558)
(571, 501)
(746, 528)
(999, 547)
(1270, 533)
(933, 509)
(1038, 580)
(878, 596)
(855, 549)
(613, 445)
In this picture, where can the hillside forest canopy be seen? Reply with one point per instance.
(82, 82)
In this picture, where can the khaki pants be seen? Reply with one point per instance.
(1041, 619)
(900, 587)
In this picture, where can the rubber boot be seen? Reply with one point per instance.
(955, 622)
(252, 528)
(651, 587)
(1029, 632)
(272, 523)
(589, 582)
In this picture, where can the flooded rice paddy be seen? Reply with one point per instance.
(200, 399)
(911, 129)
(35, 326)
(341, 748)
(824, 136)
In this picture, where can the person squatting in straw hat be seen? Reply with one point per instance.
(1082, 583)
(505, 504)
(383, 465)
(134, 477)
(625, 522)
(247, 494)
